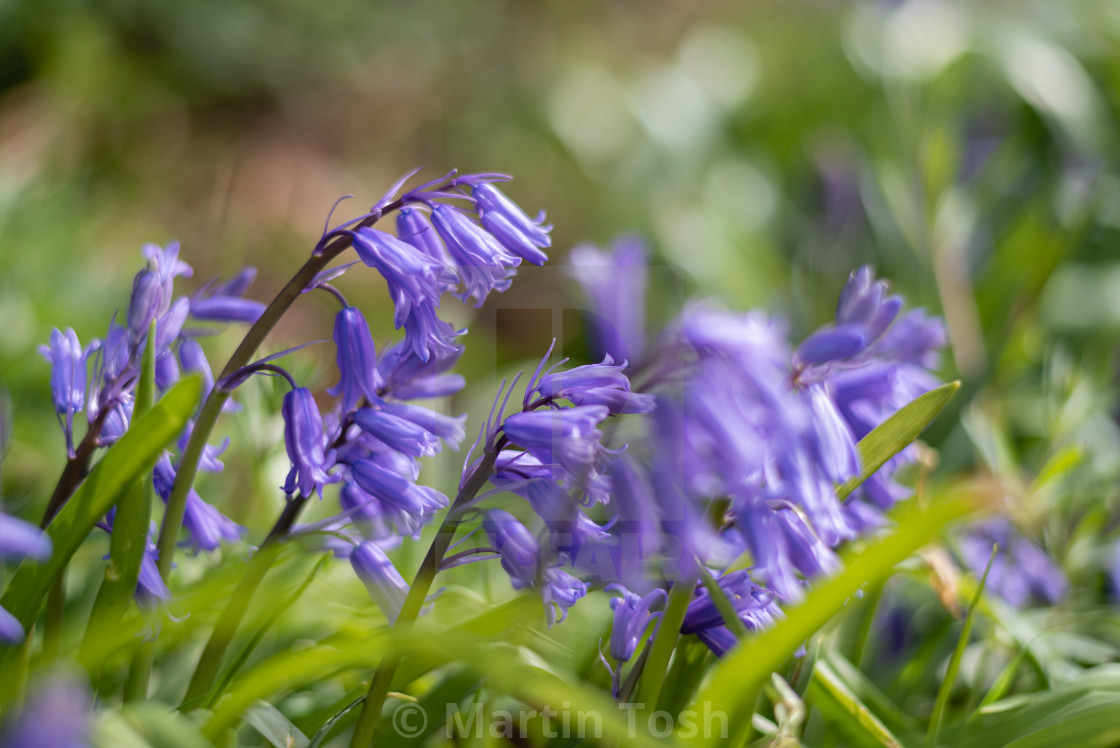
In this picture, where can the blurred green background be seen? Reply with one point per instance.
(967, 150)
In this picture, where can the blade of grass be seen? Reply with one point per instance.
(946, 688)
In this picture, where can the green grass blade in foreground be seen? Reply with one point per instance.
(896, 433)
(123, 464)
(843, 710)
(942, 701)
(739, 675)
(130, 527)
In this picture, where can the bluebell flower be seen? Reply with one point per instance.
(632, 616)
(1021, 572)
(450, 429)
(207, 526)
(520, 555)
(570, 527)
(398, 433)
(408, 377)
(194, 360)
(615, 285)
(596, 384)
(19, 540)
(503, 218)
(756, 606)
(415, 229)
(150, 587)
(569, 436)
(519, 551)
(57, 714)
(357, 359)
(144, 304)
(68, 377)
(223, 302)
(167, 372)
(306, 444)
(412, 504)
(483, 264)
(168, 266)
(385, 584)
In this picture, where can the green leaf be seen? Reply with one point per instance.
(946, 688)
(131, 526)
(146, 725)
(896, 433)
(664, 641)
(739, 675)
(843, 710)
(132, 456)
(274, 726)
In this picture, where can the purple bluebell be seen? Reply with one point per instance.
(193, 359)
(615, 285)
(167, 372)
(596, 384)
(864, 302)
(520, 555)
(57, 714)
(385, 584)
(570, 527)
(1021, 572)
(150, 587)
(415, 229)
(519, 550)
(168, 266)
(483, 264)
(756, 606)
(223, 302)
(831, 344)
(68, 377)
(632, 616)
(569, 436)
(412, 504)
(450, 429)
(306, 444)
(398, 433)
(416, 283)
(207, 526)
(493, 204)
(357, 359)
(408, 377)
(144, 304)
(19, 540)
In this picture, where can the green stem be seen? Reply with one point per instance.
(421, 585)
(664, 640)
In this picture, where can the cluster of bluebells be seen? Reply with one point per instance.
(1021, 572)
(101, 379)
(750, 438)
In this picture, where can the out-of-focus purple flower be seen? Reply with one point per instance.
(207, 526)
(632, 616)
(56, 715)
(19, 540)
(560, 591)
(519, 550)
(306, 444)
(398, 433)
(615, 284)
(484, 265)
(569, 436)
(193, 359)
(1021, 572)
(68, 376)
(150, 587)
(596, 384)
(830, 344)
(357, 360)
(144, 305)
(222, 302)
(385, 584)
(409, 377)
(570, 527)
(756, 606)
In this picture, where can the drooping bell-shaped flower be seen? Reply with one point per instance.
(596, 384)
(632, 616)
(484, 265)
(357, 359)
(400, 434)
(306, 444)
(569, 436)
(385, 584)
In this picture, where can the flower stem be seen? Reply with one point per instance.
(421, 585)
